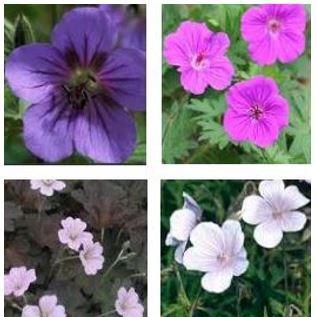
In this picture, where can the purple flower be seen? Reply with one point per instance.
(127, 303)
(200, 57)
(257, 112)
(47, 308)
(274, 32)
(47, 186)
(91, 257)
(18, 281)
(82, 88)
(131, 25)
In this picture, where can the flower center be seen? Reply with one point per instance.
(48, 182)
(81, 87)
(223, 258)
(278, 215)
(199, 61)
(256, 112)
(274, 25)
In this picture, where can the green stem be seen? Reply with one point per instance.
(25, 300)
(182, 288)
(107, 313)
(116, 261)
(66, 259)
(195, 304)
(14, 305)
(285, 270)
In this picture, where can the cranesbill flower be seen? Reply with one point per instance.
(47, 308)
(182, 222)
(91, 257)
(275, 212)
(18, 281)
(274, 32)
(199, 55)
(127, 303)
(73, 233)
(219, 252)
(47, 186)
(256, 112)
(130, 22)
(82, 89)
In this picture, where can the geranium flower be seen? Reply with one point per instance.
(18, 281)
(47, 186)
(256, 112)
(127, 303)
(47, 308)
(91, 257)
(274, 32)
(200, 57)
(182, 222)
(275, 212)
(73, 233)
(130, 23)
(219, 252)
(82, 89)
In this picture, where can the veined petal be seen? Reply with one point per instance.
(255, 210)
(84, 33)
(190, 203)
(192, 81)
(182, 223)
(293, 198)
(240, 263)
(268, 234)
(179, 252)
(34, 70)
(293, 221)
(218, 281)
(105, 132)
(237, 125)
(272, 191)
(47, 303)
(290, 46)
(48, 128)
(233, 236)
(123, 77)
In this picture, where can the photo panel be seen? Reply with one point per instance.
(75, 248)
(75, 84)
(236, 83)
(235, 248)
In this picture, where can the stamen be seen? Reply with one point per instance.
(274, 25)
(256, 112)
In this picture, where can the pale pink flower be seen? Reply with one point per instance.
(275, 212)
(219, 252)
(47, 186)
(91, 257)
(182, 222)
(127, 303)
(47, 308)
(73, 233)
(18, 281)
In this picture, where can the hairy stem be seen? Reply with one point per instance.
(182, 288)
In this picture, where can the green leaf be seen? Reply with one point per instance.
(8, 37)
(23, 33)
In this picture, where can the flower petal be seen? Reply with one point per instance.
(48, 129)
(179, 252)
(241, 263)
(31, 311)
(182, 223)
(293, 221)
(290, 46)
(255, 210)
(191, 204)
(47, 303)
(272, 191)
(105, 132)
(170, 240)
(33, 71)
(233, 236)
(237, 125)
(83, 33)
(123, 77)
(218, 281)
(294, 199)
(268, 234)
(195, 259)
(192, 81)
(278, 108)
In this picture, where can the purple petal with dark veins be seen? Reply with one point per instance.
(105, 132)
(123, 77)
(34, 70)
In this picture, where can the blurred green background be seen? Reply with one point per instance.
(276, 284)
(192, 125)
(33, 23)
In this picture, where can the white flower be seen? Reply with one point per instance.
(127, 303)
(275, 212)
(47, 186)
(91, 257)
(219, 252)
(182, 222)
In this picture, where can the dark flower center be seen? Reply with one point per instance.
(256, 112)
(199, 61)
(274, 25)
(81, 87)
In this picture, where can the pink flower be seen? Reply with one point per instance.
(257, 112)
(274, 32)
(47, 308)
(275, 212)
(18, 281)
(91, 257)
(200, 57)
(127, 304)
(219, 252)
(73, 233)
(182, 222)
(47, 186)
